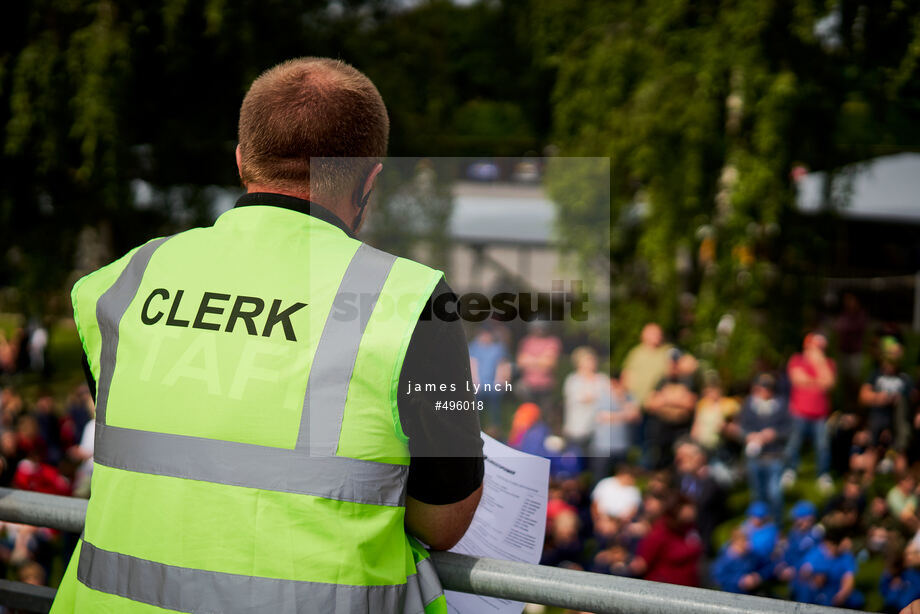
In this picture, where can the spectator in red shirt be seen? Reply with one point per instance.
(29, 441)
(672, 550)
(812, 375)
(34, 471)
(537, 358)
(40, 477)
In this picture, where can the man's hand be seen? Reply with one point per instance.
(912, 608)
(441, 526)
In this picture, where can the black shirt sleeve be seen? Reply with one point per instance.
(90, 380)
(446, 463)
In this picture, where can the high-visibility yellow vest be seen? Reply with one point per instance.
(249, 455)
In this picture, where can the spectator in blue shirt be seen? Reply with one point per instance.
(529, 431)
(801, 539)
(899, 585)
(491, 371)
(762, 534)
(613, 424)
(829, 572)
(735, 569)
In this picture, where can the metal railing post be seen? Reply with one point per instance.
(62, 513)
(25, 597)
(603, 594)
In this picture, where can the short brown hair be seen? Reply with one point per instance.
(311, 108)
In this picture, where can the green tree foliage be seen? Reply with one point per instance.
(460, 80)
(705, 108)
(96, 95)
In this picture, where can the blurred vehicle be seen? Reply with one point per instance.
(526, 172)
(483, 171)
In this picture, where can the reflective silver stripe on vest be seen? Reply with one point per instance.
(110, 308)
(429, 583)
(422, 588)
(196, 590)
(334, 361)
(251, 466)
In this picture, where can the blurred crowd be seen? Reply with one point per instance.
(794, 484)
(44, 447)
(25, 350)
(787, 485)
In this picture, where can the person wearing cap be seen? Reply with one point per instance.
(762, 533)
(885, 395)
(828, 573)
(801, 538)
(765, 424)
(812, 375)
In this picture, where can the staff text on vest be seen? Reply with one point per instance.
(244, 309)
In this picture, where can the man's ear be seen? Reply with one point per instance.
(368, 183)
(239, 162)
(364, 195)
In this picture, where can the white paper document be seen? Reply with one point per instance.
(510, 522)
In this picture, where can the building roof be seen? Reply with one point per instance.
(884, 188)
(501, 213)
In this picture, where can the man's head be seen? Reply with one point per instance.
(674, 366)
(764, 386)
(679, 512)
(907, 483)
(313, 108)
(712, 385)
(803, 514)
(585, 359)
(758, 513)
(815, 342)
(834, 536)
(891, 353)
(852, 486)
(485, 334)
(739, 542)
(652, 335)
(689, 457)
(538, 328)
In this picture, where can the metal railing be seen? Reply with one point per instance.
(577, 590)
